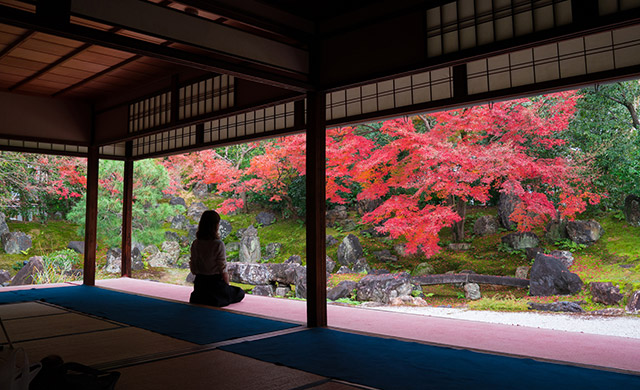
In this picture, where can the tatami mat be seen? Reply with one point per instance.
(27, 309)
(215, 370)
(105, 346)
(23, 329)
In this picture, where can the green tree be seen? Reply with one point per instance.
(604, 137)
(149, 210)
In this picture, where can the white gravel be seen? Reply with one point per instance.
(621, 326)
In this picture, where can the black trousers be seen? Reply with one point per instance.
(213, 291)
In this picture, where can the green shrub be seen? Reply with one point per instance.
(58, 266)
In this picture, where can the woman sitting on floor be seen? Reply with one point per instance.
(209, 265)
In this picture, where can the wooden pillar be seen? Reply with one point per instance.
(91, 220)
(316, 195)
(127, 206)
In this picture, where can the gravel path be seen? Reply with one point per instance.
(620, 326)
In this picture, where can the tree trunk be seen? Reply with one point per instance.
(458, 227)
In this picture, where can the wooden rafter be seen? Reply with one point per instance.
(16, 43)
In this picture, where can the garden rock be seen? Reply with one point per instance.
(556, 231)
(400, 249)
(195, 210)
(631, 210)
(550, 277)
(249, 273)
(408, 300)
(300, 281)
(136, 257)
(423, 269)
(342, 290)
(282, 291)
(485, 225)
(506, 206)
(177, 201)
(344, 270)
(459, 246)
(190, 278)
(348, 225)
(633, 304)
(179, 222)
(335, 215)
(349, 250)
(172, 249)
(27, 274)
(385, 256)
(150, 250)
(522, 272)
(472, 291)
(224, 229)
(562, 306)
(294, 259)
(191, 232)
(160, 259)
(183, 261)
(114, 261)
(15, 242)
(271, 250)
(200, 191)
(520, 241)
(263, 290)
(233, 246)
(265, 218)
(250, 246)
(171, 236)
(584, 232)
(383, 288)
(361, 266)
(77, 246)
(286, 273)
(331, 240)
(533, 252)
(605, 292)
(565, 257)
(368, 205)
(4, 228)
(330, 264)
(5, 277)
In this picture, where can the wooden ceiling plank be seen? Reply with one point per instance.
(33, 55)
(97, 75)
(8, 69)
(11, 29)
(83, 65)
(96, 58)
(110, 52)
(65, 71)
(46, 47)
(58, 40)
(22, 63)
(16, 43)
(67, 80)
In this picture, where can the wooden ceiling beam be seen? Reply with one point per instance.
(17, 42)
(206, 63)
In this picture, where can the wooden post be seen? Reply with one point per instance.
(127, 206)
(316, 194)
(91, 219)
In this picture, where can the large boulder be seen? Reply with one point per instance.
(584, 232)
(179, 222)
(114, 261)
(177, 201)
(520, 241)
(172, 249)
(550, 277)
(368, 205)
(77, 246)
(136, 257)
(349, 250)
(15, 242)
(195, 210)
(485, 225)
(249, 251)
(294, 259)
(342, 290)
(562, 306)
(423, 269)
(171, 236)
(605, 292)
(200, 190)
(3, 224)
(285, 273)
(361, 266)
(265, 290)
(383, 288)
(224, 229)
(300, 281)
(265, 218)
(385, 256)
(472, 291)
(632, 210)
(507, 204)
(249, 273)
(565, 257)
(633, 304)
(556, 231)
(336, 215)
(271, 250)
(27, 274)
(166, 257)
(5, 277)
(330, 264)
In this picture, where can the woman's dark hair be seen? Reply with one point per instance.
(208, 226)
